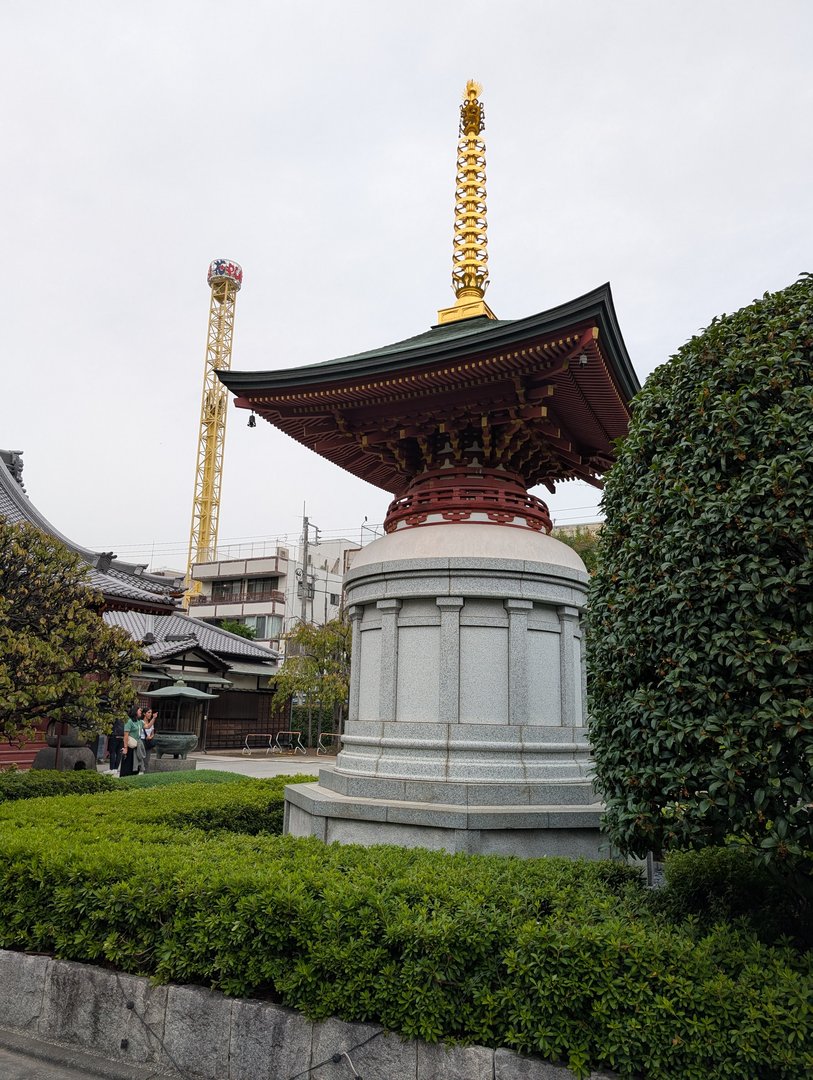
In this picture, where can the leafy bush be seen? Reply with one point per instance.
(725, 884)
(256, 806)
(701, 626)
(37, 783)
(193, 776)
(559, 958)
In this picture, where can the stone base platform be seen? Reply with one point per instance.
(476, 828)
(171, 764)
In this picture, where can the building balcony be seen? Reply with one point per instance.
(267, 596)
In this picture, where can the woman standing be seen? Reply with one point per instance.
(132, 744)
(149, 736)
(114, 742)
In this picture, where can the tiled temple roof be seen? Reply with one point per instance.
(121, 584)
(545, 398)
(174, 633)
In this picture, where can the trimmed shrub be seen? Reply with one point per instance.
(169, 779)
(559, 958)
(700, 651)
(725, 884)
(256, 806)
(39, 783)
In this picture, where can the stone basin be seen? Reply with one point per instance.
(178, 744)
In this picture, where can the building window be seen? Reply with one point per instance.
(265, 627)
(334, 599)
(260, 586)
(225, 590)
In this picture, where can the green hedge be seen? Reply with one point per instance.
(564, 959)
(37, 783)
(169, 779)
(725, 884)
(700, 642)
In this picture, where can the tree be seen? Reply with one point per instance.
(584, 542)
(234, 626)
(58, 659)
(317, 664)
(700, 652)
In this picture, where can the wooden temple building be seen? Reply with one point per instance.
(147, 606)
(467, 720)
(462, 420)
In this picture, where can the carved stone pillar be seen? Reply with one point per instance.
(449, 710)
(389, 658)
(570, 659)
(518, 611)
(355, 613)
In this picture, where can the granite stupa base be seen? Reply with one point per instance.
(466, 726)
(526, 830)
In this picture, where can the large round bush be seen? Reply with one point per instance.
(702, 608)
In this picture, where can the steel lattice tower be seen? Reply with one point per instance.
(225, 278)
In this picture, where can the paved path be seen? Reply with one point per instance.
(24, 1057)
(261, 765)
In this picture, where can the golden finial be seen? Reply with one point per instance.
(470, 258)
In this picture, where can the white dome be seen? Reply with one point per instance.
(466, 540)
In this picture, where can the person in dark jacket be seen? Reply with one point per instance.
(115, 741)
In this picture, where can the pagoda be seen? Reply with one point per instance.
(467, 725)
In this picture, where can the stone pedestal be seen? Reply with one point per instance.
(467, 717)
(71, 759)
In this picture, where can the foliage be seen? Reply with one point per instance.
(584, 542)
(38, 783)
(724, 884)
(313, 718)
(554, 957)
(58, 659)
(192, 776)
(234, 626)
(317, 664)
(701, 611)
(255, 807)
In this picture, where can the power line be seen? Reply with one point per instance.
(164, 550)
(294, 536)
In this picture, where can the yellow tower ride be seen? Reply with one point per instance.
(225, 278)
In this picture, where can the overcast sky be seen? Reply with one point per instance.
(663, 147)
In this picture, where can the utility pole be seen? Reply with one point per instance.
(306, 581)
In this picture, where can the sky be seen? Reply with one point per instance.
(663, 147)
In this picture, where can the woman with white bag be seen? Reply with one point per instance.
(133, 747)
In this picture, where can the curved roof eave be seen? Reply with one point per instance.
(446, 342)
(129, 584)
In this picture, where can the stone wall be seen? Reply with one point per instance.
(205, 1035)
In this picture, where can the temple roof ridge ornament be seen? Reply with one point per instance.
(470, 254)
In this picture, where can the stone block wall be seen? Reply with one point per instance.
(203, 1034)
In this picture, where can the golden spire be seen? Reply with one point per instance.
(470, 258)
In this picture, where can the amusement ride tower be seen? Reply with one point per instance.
(225, 278)
(467, 724)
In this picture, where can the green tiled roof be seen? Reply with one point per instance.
(453, 340)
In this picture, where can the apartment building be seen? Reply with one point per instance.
(273, 591)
